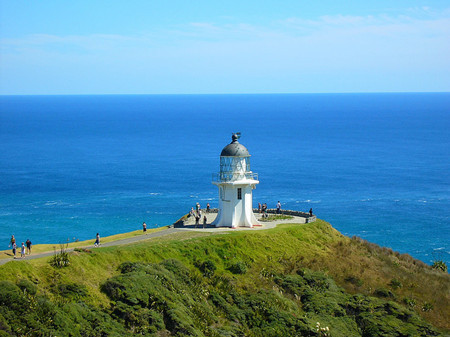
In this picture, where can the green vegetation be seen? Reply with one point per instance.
(276, 217)
(293, 280)
(76, 244)
(61, 259)
(440, 265)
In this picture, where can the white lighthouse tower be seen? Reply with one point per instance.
(235, 182)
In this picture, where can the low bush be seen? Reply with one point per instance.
(383, 292)
(238, 268)
(72, 290)
(395, 284)
(208, 268)
(276, 217)
(440, 265)
(27, 287)
(61, 259)
(354, 280)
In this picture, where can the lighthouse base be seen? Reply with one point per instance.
(234, 222)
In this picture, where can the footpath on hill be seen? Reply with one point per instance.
(189, 226)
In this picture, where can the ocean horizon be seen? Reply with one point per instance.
(373, 165)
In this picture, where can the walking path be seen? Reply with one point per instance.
(189, 226)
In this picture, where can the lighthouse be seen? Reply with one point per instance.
(236, 182)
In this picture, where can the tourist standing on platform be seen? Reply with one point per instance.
(197, 220)
(259, 207)
(264, 210)
(310, 212)
(207, 207)
(28, 243)
(278, 207)
(204, 221)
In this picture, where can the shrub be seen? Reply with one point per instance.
(383, 292)
(27, 287)
(354, 280)
(427, 307)
(410, 302)
(61, 259)
(395, 284)
(128, 267)
(208, 268)
(440, 265)
(238, 268)
(82, 250)
(72, 290)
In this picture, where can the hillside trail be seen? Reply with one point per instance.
(189, 226)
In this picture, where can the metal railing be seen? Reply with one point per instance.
(232, 176)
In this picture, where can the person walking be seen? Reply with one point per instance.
(14, 247)
(29, 244)
(97, 240)
(22, 251)
(278, 207)
(144, 227)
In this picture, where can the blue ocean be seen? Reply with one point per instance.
(373, 165)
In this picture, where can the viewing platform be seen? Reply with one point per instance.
(188, 222)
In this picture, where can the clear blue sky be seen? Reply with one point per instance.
(173, 47)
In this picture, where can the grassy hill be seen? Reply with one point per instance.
(277, 282)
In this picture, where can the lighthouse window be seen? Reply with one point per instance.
(239, 192)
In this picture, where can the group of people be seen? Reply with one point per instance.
(25, 249)
(197, 214)
(262, 208)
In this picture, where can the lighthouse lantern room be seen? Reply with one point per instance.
(235, 182)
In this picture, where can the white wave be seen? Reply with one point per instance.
(308, 201)
(52, 203)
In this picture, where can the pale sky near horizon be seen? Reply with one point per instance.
(204, 47)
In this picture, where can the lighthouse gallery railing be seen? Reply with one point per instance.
(232, 176)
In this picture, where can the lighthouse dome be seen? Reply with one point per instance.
(234, 149)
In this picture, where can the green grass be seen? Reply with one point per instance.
(227, 277)
(43, 248)
(276, 217)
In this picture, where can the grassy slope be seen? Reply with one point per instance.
(42, 248)
(355, 265)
